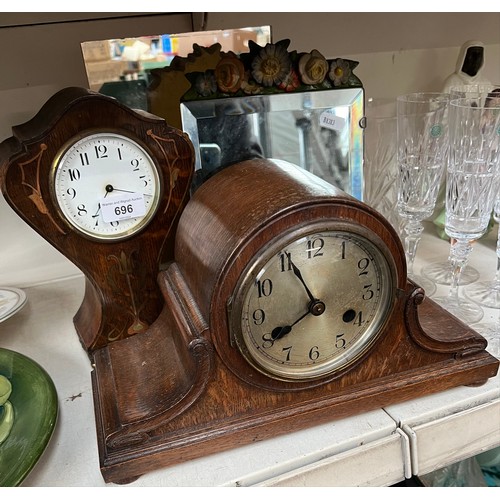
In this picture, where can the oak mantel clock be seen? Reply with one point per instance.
(283, 298)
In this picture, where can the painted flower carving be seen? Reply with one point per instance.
(340, 71)
(229, 73)
(205, 84)
(313, 68)
(269, 69)
(271, 66)
(290, 82)
(251, 87)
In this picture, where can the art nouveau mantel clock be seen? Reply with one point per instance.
(284, 302)
(91, 176)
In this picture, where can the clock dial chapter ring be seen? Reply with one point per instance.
(312, 302)
(106, 185)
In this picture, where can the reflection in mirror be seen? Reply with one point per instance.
(122, 68)
(321, 131)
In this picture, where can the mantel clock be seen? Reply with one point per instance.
(105, 185)
(269, 297)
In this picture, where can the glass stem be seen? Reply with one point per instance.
(496, 281)
(459, 256)
(413, 230)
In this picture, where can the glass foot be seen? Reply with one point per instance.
(484, 293)
(440, 273)
(465, 311)
(491, 332)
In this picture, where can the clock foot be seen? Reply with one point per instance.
(127, 480)
(477, 384)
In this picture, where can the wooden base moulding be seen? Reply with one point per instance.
(182, 390)
(141, 430)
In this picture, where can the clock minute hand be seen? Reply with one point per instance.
(281, 331)
(127, 191)
(297, 273)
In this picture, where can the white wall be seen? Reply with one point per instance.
(397, 52)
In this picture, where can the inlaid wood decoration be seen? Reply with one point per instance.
(269, 302)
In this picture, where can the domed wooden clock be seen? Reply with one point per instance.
(285, 300)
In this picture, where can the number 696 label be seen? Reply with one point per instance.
(122, 207)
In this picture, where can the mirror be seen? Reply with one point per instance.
(321, 131)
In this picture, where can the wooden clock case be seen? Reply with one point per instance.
(121, 295)
(188, 392)
(176, 388)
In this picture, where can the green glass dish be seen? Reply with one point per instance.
(34, 399)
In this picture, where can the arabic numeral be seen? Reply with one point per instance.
(101, 151)
(363, 265)
(314, 353)
(288, 351)
(74, 174)
(368, 294)
(264, 288)
(84, 159)
(285, 262)
(340, 341)
(82, 210)
(315, 247)
(258, 316)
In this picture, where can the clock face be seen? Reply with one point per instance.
(312, 303)
(106, 185)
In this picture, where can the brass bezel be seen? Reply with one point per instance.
(108, 132)
(368, 338)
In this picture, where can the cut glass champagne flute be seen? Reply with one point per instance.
(440, 271)
(422, 142)
(471, 189)
(380, 168)
(487, 293)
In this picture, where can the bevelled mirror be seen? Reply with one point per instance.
(321, 131)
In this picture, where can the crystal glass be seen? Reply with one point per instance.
(422, 142)
(472, 184)
(380, 166)
(441, 271)
(487, 293)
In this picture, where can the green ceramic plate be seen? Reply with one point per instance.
(34, 399)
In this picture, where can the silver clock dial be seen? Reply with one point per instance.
(313, 304)
(106, 185)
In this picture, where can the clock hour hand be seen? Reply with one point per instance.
(99, 206)
(315, 307)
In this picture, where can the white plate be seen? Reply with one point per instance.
(11, 301)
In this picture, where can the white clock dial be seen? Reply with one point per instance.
(106, 185)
